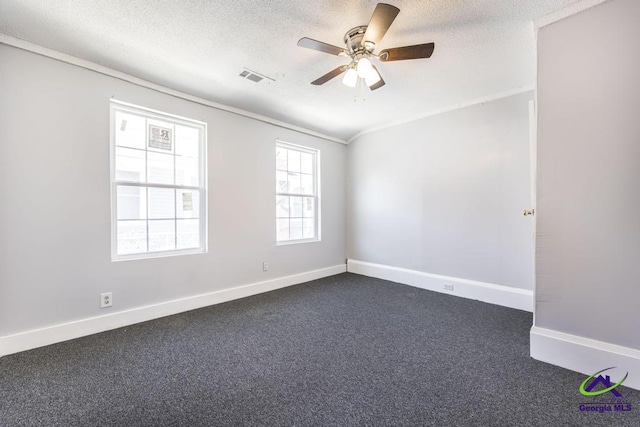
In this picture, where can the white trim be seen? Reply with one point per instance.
(57, 333)
(584, 355)
(566, 12)
(63, 57)
(458, 106)
(289, 145)
(297, 241)
(533, 162)
(506, 296)
(131, 108)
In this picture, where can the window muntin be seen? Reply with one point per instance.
(297, 191)
(158, 177)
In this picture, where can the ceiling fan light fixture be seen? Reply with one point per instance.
(372, 78)
(364, 68)
(350, 78)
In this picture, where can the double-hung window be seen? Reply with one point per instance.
(158, 177)
(297, 194)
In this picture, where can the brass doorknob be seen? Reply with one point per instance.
(527, 213)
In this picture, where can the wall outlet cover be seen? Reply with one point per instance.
(106, 300)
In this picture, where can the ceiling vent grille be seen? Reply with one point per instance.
(253, 76)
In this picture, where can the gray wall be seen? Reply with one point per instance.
(588, 227)
(55, 199)
(445, 194)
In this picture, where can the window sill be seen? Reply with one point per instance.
(296, 242)
(160, 254)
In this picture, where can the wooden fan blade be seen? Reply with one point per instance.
(407, 52)
(379, 84)
(330, 75)
(322, 47)
(381, 20)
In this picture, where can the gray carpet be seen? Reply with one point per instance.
(344, 350)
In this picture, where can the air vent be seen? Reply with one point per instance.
(254, 77)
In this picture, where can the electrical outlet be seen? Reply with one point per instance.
(448, 286)
(265, 266)
(106, 300)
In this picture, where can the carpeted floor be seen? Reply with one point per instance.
(344, 350)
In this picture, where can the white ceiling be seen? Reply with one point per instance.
(483, 48)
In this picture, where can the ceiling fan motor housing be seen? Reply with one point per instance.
(353, 41)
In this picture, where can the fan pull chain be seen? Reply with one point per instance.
(360, 90)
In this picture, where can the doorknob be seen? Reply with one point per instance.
(527, 213)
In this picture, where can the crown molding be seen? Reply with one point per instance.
(69, 59)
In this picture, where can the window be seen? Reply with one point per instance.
(297, 190)
(158, 193)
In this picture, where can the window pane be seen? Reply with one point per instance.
(160, 168)
(296, 215)
(294, 183)
(187, 172)
(131, 202)
(295, 207)
(160, 136)
(295, 228)
(306, 184)
(157, 169)
(129, 130)
(307, 162)
(130, 165)
(281, 182)
(282, 231)
(132, 237)
(307, 209)
(162, 235)
(187, 141)
(188, 233)
(282, 207)
(162, 203)
(293, 161)
(188, 203)
(308, 228)
(281, 158)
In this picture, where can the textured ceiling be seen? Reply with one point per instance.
(483, 47)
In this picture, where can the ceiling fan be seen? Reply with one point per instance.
(360, 44)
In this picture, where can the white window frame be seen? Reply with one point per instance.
(148, 113)
(316, 192)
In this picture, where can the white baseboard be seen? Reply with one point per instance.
(584, 355)
(487, 292)
(62, 332)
